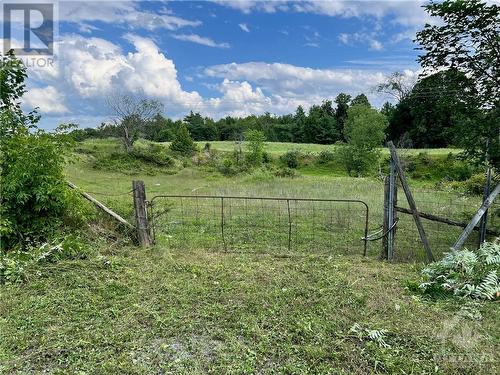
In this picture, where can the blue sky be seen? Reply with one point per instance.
(222, 57)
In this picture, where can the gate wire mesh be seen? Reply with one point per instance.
(260, 224)
(441, 236)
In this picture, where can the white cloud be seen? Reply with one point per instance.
(289, 84)
(344, 38)
(363, 38)
(127, 13)
(244, 27)
(48, 99)
(89, 69)
(238, 99)
(194, 38)
(279, 77)
(375, 45)
(404, 12)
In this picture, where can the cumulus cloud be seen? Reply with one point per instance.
(194, 38)
(47, 99)
(89, 69)
(292, 80)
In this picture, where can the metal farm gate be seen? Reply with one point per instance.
(260, 224)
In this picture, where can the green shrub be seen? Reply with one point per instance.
(364, 131)
(475, 184)
(154, 154)
(34, 197)
(285, 172)
(465, 273)
(357, 162)
(227, 167)
(267, 158)
(445, 168)
(291, 159)
(325, 157)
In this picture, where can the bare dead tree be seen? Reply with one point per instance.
(397, 85)
(131, 115)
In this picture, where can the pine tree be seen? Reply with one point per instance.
(183, 143)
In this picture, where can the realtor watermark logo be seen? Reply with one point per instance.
(29, 30)
(463, 334)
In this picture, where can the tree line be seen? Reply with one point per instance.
(431, 113)
(455, 102)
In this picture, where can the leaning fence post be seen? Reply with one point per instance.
(411, 201)
(484, 219)
(475, 219)
(141, 215)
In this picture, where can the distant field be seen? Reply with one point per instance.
(282, 147)
(275, 148)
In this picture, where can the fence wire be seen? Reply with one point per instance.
(260, 224)
(441, 236)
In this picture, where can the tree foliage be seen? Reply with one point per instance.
(467, 39)
(34, 197)
(364, 131)
(255, 144)
(182, 143)
(131, 114)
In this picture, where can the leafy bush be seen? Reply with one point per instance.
(35, 199)
(290, 159)
(285, 172)
(155, 154)
(325, 156)
(227, 167)
(364, 131)
(357, 161)
(465, 273)
(445, 168)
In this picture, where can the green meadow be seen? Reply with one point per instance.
(184, 307)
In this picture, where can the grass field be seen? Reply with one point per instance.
(278, 148)
(191, 310)
(194, 312)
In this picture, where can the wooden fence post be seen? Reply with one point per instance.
(411, 201)
(141, 215)
(385, 227)
(391, 212)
